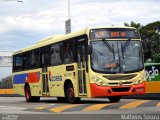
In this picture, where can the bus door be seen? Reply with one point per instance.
(44, 63)
(81, 56)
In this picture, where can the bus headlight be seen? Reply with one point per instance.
(99, 81)
(140, 80)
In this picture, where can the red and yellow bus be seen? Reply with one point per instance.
(94, 62)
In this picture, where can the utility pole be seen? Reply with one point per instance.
(14, 1)
(69, 10)
(19, 1)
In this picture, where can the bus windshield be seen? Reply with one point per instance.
(116, 56)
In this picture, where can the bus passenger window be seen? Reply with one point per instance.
(45, 57)
(33, 60)
(26, 60)
(56, 51)
(68, 52)
(17, 63)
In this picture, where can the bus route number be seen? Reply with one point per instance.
(99, 34)
(118, 34)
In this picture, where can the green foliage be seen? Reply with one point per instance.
(151, 39)
(133, 24)
(6, 82)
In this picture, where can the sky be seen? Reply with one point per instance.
(24, 23)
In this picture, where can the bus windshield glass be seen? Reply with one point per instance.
(116, 56)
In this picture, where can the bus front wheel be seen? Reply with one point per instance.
(114, 99)
(70, 94)
(28, 96)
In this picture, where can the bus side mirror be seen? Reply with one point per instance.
(89, 49)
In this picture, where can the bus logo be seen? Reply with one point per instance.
(151, 74)
(120, 83)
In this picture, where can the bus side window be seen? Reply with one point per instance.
(17, 63)
(26, 61)
(32, 58)
(68, 51)
(35, 59)
(56, 54)
(45, 56)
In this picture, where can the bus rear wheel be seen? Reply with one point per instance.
(114, 99)
(28, 96)
(70, 94)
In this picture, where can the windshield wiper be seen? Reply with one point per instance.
(109, 47)
(123, 48)
(126, 45)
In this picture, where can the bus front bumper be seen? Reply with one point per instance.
(103, 91)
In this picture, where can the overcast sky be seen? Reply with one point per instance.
(24, 23)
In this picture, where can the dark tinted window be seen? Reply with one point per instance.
(17, 63)
(26, 60)
(45, 56)
(56, 51)
(68, 49)
(35, 59)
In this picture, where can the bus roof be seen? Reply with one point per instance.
(58, 38)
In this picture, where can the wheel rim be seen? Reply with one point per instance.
(71, 93)
(27, 94)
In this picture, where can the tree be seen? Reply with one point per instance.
(151, 39)
(6, 82)
(133, 24)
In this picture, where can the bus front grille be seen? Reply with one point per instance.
(125, 89)
(117, 83)
(120, 77)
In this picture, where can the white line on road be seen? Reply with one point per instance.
(9, 107)
(52, 104)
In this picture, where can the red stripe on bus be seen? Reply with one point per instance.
(33, 77)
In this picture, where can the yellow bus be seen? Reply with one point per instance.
(94, 62)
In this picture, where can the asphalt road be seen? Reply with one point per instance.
(15, 108)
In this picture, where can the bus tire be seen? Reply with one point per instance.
(61, 99)
(114, 99)
(28, 96)
(70, 94)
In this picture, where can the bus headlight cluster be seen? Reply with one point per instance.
(140, 80)
(99, 81)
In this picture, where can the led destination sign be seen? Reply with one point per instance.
(114, 33)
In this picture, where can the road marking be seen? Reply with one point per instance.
(16, 108)
(62, 108)
(10, 107)
(133, 104)
(40, 108)
(96, 107)
(52, 104)
(158, 105)
(2, 106)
